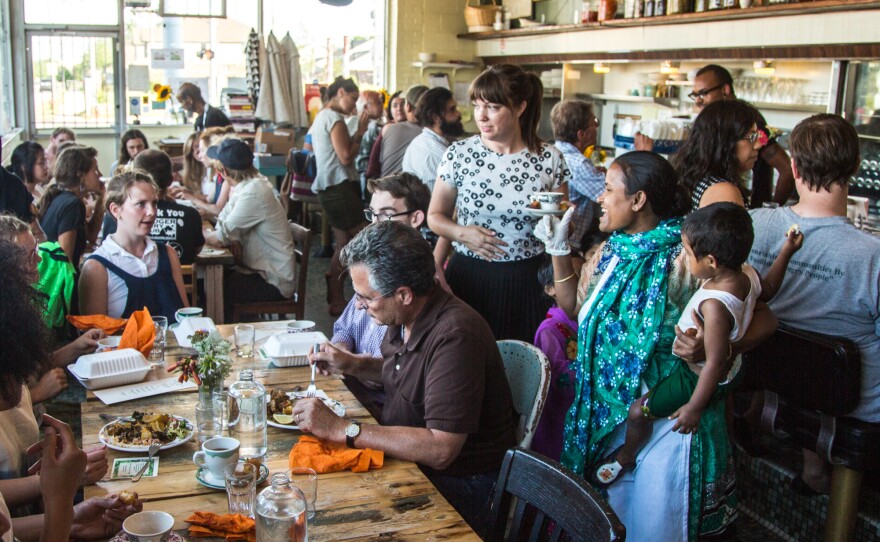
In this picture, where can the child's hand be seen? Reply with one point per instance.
(688, 419)
(794, 239)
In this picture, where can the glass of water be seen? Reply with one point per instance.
(244, 340)
(306, 480)
(209, 419)
(157, 354)
(241, 488)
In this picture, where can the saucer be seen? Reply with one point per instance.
(204, 477)
(542, 212)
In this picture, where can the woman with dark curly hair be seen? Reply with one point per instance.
(722, 147)
(133, 142)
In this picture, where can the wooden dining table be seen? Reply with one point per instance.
(213, 260)
(396, 502)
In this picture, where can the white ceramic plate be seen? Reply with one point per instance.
(105, 439)
(203, 476)
(334, 405)
(210, 252)
(542, 212)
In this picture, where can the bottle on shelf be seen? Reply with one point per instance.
(247, 415)
(281, 512)
(659, 8)
(713, 4)
(649, 8)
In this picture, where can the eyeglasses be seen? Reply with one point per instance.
(701, 95)
(369, 214)
(751, 137)
(364, 301)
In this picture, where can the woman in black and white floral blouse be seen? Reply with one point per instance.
(488, 178)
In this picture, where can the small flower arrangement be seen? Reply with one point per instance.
(597, 157)
(213, 363)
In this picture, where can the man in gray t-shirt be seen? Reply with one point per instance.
(833, 283)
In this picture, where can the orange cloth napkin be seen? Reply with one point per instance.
(139, 332)
(100, 321)
(328, 457)
(228, 526)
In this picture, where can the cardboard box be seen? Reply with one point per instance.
(274, 141)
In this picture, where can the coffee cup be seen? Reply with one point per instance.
(215, 454)
(187, 312)
(148, 526)
(300, 326)
(549, 201)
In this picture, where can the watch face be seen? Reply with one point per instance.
(352, 430)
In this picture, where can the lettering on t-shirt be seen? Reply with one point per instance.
(165, 228)
(815, 271)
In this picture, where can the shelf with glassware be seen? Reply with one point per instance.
(454, 66)
(753, 11)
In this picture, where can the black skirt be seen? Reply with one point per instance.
(506, 294)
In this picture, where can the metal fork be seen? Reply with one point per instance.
(312, 390)
(154, 447)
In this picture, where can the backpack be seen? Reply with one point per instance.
(302, 168)
(57, 278)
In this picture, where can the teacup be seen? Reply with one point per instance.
(300, 326)
(108, 343)
(187, 312)
(148, 526)
(549, 200)
(215, 454)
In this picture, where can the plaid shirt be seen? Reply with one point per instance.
(586, 184)
(357, 331)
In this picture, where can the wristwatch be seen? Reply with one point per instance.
(352, 430)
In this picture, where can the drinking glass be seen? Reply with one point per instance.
(241, 488)
(157, 354)
(306, 480)
(244, 340)
(209, 419)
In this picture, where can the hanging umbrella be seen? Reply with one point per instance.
(279, 105)
(298, 115)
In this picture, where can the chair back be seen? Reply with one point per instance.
(190, 286)
(549, 503)
(528, 374)
(302, 242)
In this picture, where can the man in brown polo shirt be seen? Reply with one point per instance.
(448, 405)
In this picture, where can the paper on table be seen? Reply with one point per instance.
(129, 466)
(142, 389)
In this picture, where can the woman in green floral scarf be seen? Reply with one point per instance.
(626, 328)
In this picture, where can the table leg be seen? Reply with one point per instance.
(214, 292)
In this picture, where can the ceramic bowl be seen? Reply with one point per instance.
(148, 526)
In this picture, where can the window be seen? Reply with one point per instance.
(74, 81)
(192, 8)
(71, 12)
(6, 104)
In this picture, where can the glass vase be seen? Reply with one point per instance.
(209, 389)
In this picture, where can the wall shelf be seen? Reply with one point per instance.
(672, 103)
(454, 66)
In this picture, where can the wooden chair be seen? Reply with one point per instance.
(190, 284)
(296, 305)
(528, 373)
(549, 502)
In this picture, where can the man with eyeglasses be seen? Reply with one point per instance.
(449, 406)
(401, 198)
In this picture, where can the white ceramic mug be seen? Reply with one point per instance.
(187, 312)
(109, 343)
(549, 200)
(215, 454)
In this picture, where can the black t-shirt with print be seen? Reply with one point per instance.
(177, 225)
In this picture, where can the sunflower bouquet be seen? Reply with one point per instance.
(596, 156)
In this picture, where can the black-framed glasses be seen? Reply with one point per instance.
(369, 214)
(364, 300)
(701, 95)
(751, 137)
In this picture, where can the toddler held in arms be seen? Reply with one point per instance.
(716, 240)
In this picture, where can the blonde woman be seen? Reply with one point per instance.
(214, 192)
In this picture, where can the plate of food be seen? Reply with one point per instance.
(134, 434)
(279, 409)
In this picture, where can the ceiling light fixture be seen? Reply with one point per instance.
(670, 66)
(601, 67)
(764, 67)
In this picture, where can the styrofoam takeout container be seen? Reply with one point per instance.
(292, 349)
(111, 368)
